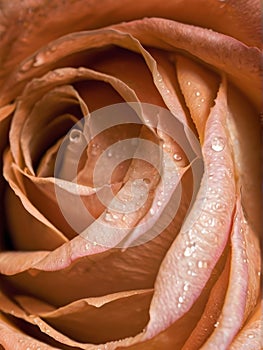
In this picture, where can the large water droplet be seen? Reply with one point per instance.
(75, 136)
(218, 144)
(177, 157)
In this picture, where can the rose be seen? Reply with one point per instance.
(67, 295)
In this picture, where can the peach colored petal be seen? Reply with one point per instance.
(198, 246)
(95, 320)
(46, 165)
(237, 305)
(11, 308)
(245, 133)
(23, 33)
(83, 272)
(130, 68)
(241, 63)
(48, 122)
(184, 326)
(35, 90)
(47, 232)
(250, 336)
(199, 87)
(212, 310)
(11, 338)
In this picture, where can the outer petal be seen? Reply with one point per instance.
(28, 25)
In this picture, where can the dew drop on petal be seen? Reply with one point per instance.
(181, 299)
(109, 154)
(108, 217)
(75, 136)
(39, 60)
(186, 287)
(202, 264)
(27, 65)
(197, 93)
(177, 157)
(188, 251)
(218, 144)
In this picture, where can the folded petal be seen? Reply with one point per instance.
(198, 246)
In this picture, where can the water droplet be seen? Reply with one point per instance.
(189, 83)
(177, 157)
(27, 65)
(189, 250)
(197, 93)
(75, 136)
(186, 287)
(159, 77)
(179, 305)
(159, 203)
(181, 299)
(251, 336)
(216, 324)
(109, 154)
(218, 144)
(95, 243)
(108, 217)
(202, 100)
(94, 150)
(152, 211)
(39, 60)
(87, 246)
(202, 264)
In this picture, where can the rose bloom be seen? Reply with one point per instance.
(195, 283)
